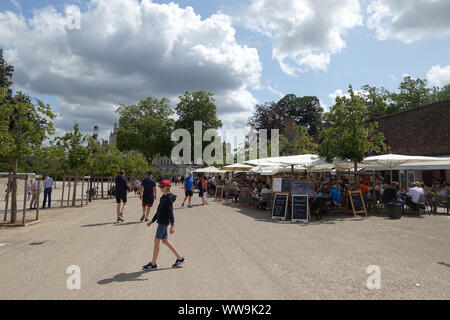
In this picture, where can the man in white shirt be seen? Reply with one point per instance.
(413, 196)
(48, 186)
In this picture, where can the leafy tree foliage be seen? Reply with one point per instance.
(300, 143)
(347, 134)
(146, 128)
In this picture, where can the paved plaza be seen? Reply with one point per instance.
(231, 253)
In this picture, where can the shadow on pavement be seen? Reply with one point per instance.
(127, 223)
(97, 225)
(126, 277)
(444, 264)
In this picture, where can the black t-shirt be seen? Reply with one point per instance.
(148, 185)
(121, 185)
(390, 194)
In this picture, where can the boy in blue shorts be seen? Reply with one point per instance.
(164, 217)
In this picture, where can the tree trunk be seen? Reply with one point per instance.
(356, 180)
(14, 193)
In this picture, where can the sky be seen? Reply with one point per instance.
(86, 57)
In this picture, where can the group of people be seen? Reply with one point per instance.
(164, 216)
(35, 187)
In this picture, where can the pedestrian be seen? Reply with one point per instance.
(121, 194)
(29, 183)
(8, 189)
(48, 186)
(205, 190)
(147, 195)
(164, 216)
(188, 190)
(137, 185)
(36, 188)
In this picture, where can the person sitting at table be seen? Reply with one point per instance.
(364, 189)
(255, 194)
(335, 196)
(390, 194)
(265, 190)
(320, 200)
(413, 197)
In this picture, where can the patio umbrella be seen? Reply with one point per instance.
(394, 161)
(237, 167)
(208, 170)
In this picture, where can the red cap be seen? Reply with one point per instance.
(165, 183)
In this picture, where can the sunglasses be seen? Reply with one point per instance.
(162, 186)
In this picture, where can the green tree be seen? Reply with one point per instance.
(347, 135)
(300, 143)
(197, 106)
(73, 151)
(135, 163)
(412, 93)
(306, 111)
(146, 128)
(23, 128)
(108, 160)
(376, 100)
(6, 72)
(443, 93)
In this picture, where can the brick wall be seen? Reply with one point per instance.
(420, 131)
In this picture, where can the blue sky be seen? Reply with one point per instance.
(377, 53)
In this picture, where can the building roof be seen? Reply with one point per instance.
(421, 131)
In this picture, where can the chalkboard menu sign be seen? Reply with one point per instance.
(280, 205)
(299, 187)
(244, 196)
(286, 184)
(357, 201)
(300, 208)
(219, 193)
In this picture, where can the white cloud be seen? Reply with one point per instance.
(439, 76)
(126, 51)
(304, 33)
(408, 20)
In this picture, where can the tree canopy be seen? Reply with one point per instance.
(347, 134)
(146, 128)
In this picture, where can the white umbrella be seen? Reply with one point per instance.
(395, 160)
(208, 170)
(304, 161)
(237, 167)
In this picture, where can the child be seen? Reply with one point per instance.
(164, 216)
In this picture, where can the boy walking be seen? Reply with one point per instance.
(164, 217)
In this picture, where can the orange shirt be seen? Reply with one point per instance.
(364, 188)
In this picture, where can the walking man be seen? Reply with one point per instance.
(188, 190)
(48, 187)
(121, 194)
(147, 195)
